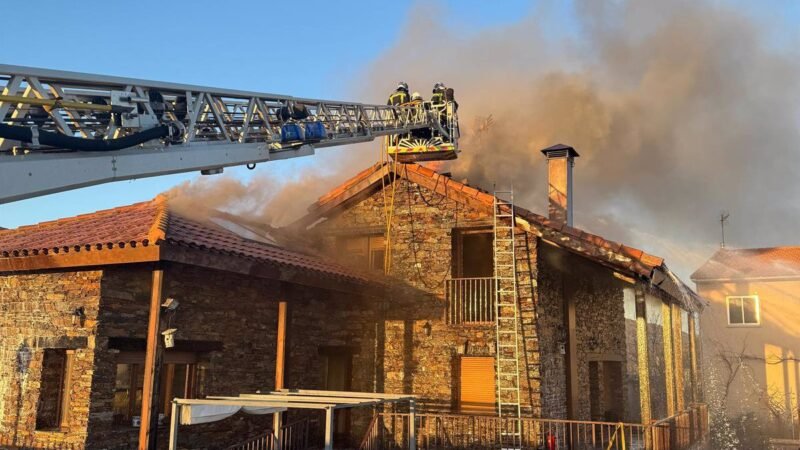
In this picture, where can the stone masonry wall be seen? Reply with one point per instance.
(241, 313)
(600, 332)
(237, 311)
(36, 314)
(422, 249)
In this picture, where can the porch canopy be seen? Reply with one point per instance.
(214, 408)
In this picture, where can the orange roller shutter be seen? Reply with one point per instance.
(477, 390)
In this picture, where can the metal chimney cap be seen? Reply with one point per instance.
(559, 151)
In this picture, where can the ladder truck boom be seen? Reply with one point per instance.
(65, 130)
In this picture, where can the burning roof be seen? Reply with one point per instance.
(141, 229)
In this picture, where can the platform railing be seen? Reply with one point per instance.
(470, 300)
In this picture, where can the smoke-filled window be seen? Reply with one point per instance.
(743, 310)
(364, 251)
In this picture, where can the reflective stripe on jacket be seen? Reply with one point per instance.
(398, 98)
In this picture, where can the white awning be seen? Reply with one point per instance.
(205, 411)
(212, 409)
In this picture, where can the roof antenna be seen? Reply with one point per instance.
(723, 217)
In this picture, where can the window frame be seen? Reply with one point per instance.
(135, 360)
(371, 248)
(457, 251)
(743, 324)
(63, 400)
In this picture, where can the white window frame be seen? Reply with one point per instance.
(728, 310)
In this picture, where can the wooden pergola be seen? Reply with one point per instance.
(276, 402)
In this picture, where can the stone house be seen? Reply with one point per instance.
(586, 304)
(751, 336)
(76, 325)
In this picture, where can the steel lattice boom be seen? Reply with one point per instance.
(199, 128)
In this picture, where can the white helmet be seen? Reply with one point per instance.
(402, 85)
(416, 96)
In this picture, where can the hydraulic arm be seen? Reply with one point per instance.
(64, 130)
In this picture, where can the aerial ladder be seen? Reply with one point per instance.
(65, 130)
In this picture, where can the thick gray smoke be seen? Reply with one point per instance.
(678, 109)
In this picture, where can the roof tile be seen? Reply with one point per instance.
(143, 223)
(771, 262)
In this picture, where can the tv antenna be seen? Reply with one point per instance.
(723, 217)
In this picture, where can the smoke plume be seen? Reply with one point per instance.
(678, 110)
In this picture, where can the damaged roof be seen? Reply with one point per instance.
(141, 228)
(609, 253)
(750, 263)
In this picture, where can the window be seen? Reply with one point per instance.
(181, 376)
(473, 255)
(477, 384)
(365, 251)
(743, 310)
(54, 390)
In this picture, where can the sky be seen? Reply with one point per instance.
(311, 51)
(324, 49)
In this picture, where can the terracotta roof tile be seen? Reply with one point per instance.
(747, 263)
(151, 223)
(588, 244)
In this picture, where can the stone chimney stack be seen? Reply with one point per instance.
(560, 159)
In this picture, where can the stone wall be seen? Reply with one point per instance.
(36, 313)
(600, 332)
(236, 313)
(655, 350)
(414, 359)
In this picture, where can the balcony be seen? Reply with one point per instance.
(470, 300)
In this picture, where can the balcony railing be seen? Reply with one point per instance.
(470, 300)
(389, 431)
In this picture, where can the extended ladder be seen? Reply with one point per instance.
(143, 128)
(506, 322)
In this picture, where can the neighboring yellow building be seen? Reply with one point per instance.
(751, 333)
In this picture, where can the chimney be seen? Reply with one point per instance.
(560, 159)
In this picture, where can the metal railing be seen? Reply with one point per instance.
(294, 436)
(470, 300)
(449, 431)
(681, 431)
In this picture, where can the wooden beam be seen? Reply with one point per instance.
(643, 358)
(152, 367)
(81, 258)
(66, 390)
(280, 366)
(280, 352)
(693, 359)
(667, 331)
(677, 355)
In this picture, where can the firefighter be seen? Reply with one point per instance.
(418, 102)
(400, 95)
(438, 97)
(439, 101)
